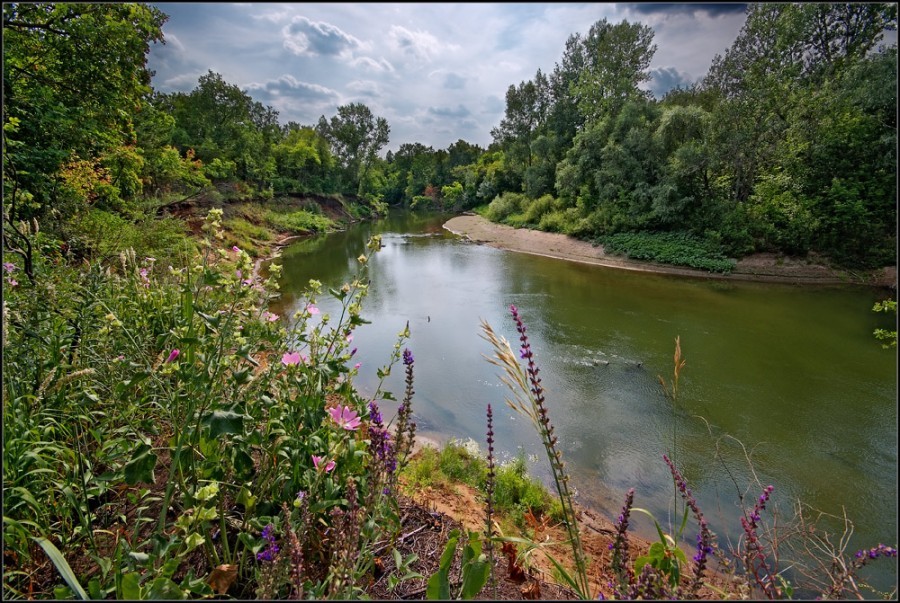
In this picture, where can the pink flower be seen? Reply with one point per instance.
(349, 337)
(12, 282)
(9, 266)
(236, 249)
(312, 309)
(271, 317)
(345, 417)
(357, 365)
(173, 355)
(330, 465)
(292, 358)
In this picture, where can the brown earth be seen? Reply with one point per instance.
(768, 267)
(430, 514)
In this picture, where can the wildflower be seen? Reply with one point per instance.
(349, 337)
(357, 365)
(12, 282)
(291, 358)
(9, 266)
(312, 309)
(345, 417)
(270, 317)
(271, 547)
(236, 249)
(362, 259)
(330, 465)
(407, 357)
(375, 414)
(173, 355)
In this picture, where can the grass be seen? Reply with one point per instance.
(515, 492)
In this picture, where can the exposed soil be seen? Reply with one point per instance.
(430, 514)
(768, 267)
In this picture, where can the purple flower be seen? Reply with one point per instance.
(236, 249)
(173, 355)
(9, 266)
(268, 554)
(407, 357)
(375, 414)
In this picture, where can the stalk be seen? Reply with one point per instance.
(529, 393)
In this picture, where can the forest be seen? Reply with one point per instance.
(151, 400)
(788, 144)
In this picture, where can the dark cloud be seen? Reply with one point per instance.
(303, 36)
(458, 112)
(711, 9)
(663, 79)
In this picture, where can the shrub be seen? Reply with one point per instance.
(504, 205)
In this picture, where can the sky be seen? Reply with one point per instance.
(437, 72)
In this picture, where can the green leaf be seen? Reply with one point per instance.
(140, 467)
(475, 576)
(224, 421)
(439, 584)
(62, 566)
(163, 588)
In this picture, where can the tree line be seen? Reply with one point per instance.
(788, 144)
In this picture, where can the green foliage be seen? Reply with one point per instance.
(678, 248)
(888, 336)
(475, 569)
(111, 369)
(505, 205)
(299, 222)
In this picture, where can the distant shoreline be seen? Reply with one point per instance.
(759, 267)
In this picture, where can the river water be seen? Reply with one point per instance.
(783, 385)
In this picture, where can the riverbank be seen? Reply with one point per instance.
(762, 267)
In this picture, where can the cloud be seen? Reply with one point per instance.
(458, 112)
(711, 10)
(317, 38)
(289, 86)
(382, 66)
(454, 82)
(419, 46)
(366, 88)
(663, 79)
(183, 82)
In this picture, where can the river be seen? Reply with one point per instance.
(783, 385)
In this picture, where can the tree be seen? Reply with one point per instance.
(616, 59)
(73, 76)
(356, 136)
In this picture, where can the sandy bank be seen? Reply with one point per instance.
(758, 267)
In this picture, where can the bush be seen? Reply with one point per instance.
(298, 222)
(504, 205)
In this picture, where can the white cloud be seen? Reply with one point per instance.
(382, 66)
(316, 38)
(289, 86)
(418, 46)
